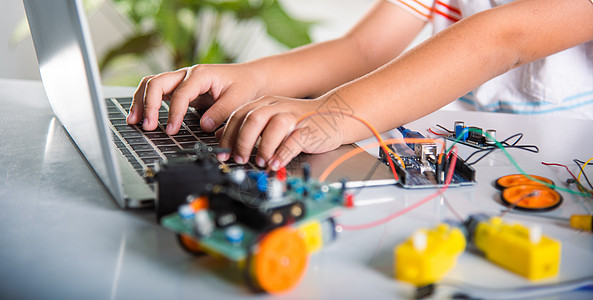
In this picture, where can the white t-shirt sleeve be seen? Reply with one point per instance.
(420, 8)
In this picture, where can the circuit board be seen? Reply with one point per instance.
(421, 169)
(419, 175)
(471, 136)
(320, 204)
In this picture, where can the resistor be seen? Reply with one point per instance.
(459, 131)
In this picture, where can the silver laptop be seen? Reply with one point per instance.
(118, 152)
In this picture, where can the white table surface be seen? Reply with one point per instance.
(63, 237)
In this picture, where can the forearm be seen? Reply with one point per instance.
(461, 58)
(312, 70)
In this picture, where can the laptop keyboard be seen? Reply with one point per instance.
(147, 148)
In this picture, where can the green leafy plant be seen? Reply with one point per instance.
(179, 27)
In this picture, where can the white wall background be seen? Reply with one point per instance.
(17, 58)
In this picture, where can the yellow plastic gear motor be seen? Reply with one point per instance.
(525, 251)
(428, 255)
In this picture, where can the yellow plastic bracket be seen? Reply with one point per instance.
(428, 255)
(311, 233)
(515, 248)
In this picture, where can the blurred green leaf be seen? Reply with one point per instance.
(175, 24)
(215, 54)
(286, 30)
(137, 44)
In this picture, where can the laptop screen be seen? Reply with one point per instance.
(68, 69)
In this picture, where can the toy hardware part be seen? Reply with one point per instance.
(190, 245)
(520, 179)
(472, 136)
(531, 198)
(266, 224)
(424, 169)
(428, 255)
(279, 261)
(524, 251)
(522, 193)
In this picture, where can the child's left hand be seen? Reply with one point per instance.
(285, 127)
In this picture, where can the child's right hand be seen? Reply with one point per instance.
(221, 87)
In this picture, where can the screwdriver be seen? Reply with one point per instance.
(581, 222)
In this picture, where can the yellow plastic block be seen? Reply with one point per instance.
(311, 233)
(428, 255)
(518, 249)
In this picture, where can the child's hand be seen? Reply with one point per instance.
(282, 131)
(222, 88)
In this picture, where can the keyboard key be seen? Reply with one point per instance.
(166, 149)
(209, 140)
(109, 103)
(125, 101)
(190, 116)
(120, 144)
(192, 122)
(183, 132)
(130, 134)
(149, 153)
(187, 145)
(116, 115)
(121, 121)
(163, 142)
(176, 155)
(134, 140)
(141, 147)
(125, 128)
(184, 139)
(156, 135)
(151, 160)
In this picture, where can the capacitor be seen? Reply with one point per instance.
(276, 190)
(234, 234)
(186, 213)
(490, 136)
(238, 175)
(203, 224)
(306, 172)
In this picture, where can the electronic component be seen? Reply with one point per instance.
(425, 150)
(423, 168)
(416, 173)
(180, 177)
(428, 255)
(267, 225)
(525, 251)
(471, 136)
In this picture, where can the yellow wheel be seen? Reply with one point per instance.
(190, 245)
(279, 261)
